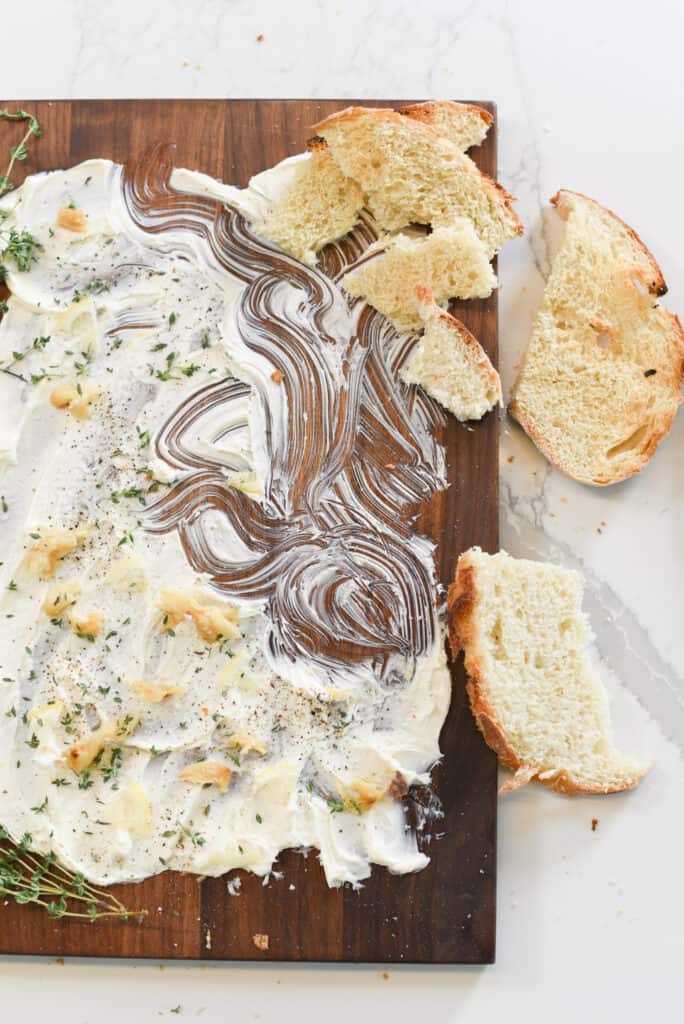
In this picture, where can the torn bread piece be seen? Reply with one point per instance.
(534, 694)
(451, 262)
(599, 387)
(464, 124)
(410, 173)
(321, 205)
(450, 364)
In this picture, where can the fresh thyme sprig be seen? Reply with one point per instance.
(20, 151)
(19, 246)
(29, 877)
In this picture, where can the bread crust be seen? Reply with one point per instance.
(425, 114)
(389, 114)
(462, 602)
(353, 114)
(517, 412)
(424, 111)
(657, 285)
(428, 305)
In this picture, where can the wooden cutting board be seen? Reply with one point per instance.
(444, 914)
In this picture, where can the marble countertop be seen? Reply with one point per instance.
(590, 97)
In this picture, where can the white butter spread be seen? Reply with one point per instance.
(197, 469)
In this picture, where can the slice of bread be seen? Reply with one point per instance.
(411, 174)
(451, 365)
(535, 696)
(464, 124)
(451, 262)
(321, 205)
(599, 387)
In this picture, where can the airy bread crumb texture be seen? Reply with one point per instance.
(451, 262)
(536, 698)
(451, 365)
(321, 205)
(464, 124)
(410, 174)
(599, 387)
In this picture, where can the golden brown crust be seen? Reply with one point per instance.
(352, 114)
(644, 457)
(426, 298)
(462, 599)
(389, 114)
(661, 425)
(656, 285)
(425, 111)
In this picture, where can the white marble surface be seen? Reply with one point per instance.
(590, 96)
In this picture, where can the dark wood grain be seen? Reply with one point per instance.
(445, 914)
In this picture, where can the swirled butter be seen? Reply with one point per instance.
(219, 634)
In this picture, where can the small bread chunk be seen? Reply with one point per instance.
(451, 365)
(535, 696)
(321, 205)
(464, 124)
(451, 262)
(599, 387)
(410, 174)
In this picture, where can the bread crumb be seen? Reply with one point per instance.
(511, 458)
(60, 961)
(260, 941)
(260, 37)
(385, 976)
(207, 941)
(594, 823)
(277, 376)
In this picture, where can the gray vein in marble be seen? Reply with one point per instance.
(621, 640)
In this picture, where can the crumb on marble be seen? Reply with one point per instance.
(594, 823)
(260, 37)
(260, 941)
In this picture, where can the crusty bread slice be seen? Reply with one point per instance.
(599, 387)
(321, 205)
(451, 262)
(411, 174)
(535, 696)
(451, 365)
(465, 124)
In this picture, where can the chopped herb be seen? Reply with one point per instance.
(20, 247)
